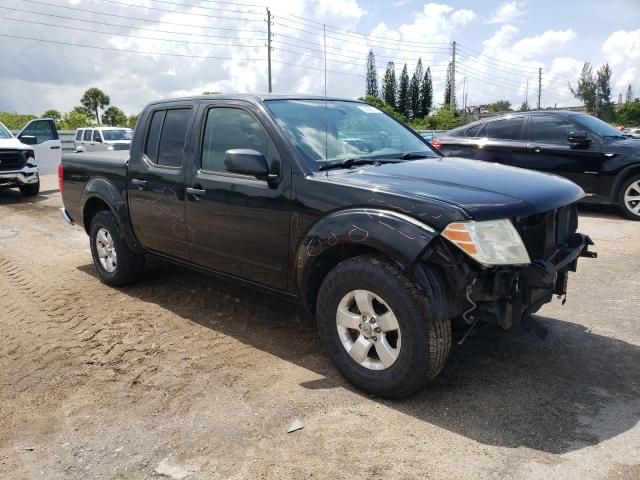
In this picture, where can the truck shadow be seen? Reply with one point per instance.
(571, 391)
(11, 196)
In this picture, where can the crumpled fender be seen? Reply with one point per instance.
(398, 235)
(106, 191)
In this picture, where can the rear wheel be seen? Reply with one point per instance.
(630, 198)
(378, 328)
(30, 189)
(116, 263)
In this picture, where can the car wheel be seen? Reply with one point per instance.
(379, 329)
(630, 198)
(116, 263)
(30, 189)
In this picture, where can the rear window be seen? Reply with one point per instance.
(87, 135)
(505, 129)
(166, 137)
(473, 131)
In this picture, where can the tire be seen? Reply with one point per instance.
(630, 188)
(421, 344)
(30, 190)
(124, 266)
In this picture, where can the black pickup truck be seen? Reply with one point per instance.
(336, 204)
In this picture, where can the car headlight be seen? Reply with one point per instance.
(491, 242)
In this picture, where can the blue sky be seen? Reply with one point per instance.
(149, 49)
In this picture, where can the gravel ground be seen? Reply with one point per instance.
(184, 376)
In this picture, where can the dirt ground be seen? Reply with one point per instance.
(185, 376)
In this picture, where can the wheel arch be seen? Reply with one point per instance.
(349, 233)
(621, 178)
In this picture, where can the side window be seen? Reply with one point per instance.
(506, 129)
(166, 137)
(87, 135)
(473, 131)
(550, 129)
(41, 129)
(155, 127)
(228, 128)
(96, 136)
(79, 135)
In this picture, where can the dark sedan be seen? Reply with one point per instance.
(602, 160)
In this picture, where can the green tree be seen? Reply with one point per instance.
(211, 93)
(389, 85)
(603, 93)
(15, 121)
(53, 114)
(585, 91)
(629, 113)
(132, 121)
(404, 105)
(426, 94)
(93, 100)
(629, 96)
(444, 119)
(414, 91)
(114, 117)
(524, 107)
(74, 119)
(382, 105)
(450, 102)
(372, 76)
(500, 106)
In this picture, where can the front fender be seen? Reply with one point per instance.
(105, 190)
(395, 234)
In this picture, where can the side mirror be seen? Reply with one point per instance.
(579, 139)
(247, 162)
(28, 139)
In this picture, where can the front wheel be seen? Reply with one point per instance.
(30, 189)
(379, 329)
(116, 263)
(630, 198)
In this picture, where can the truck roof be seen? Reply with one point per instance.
(252, 97)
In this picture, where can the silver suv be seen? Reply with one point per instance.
(92, 139)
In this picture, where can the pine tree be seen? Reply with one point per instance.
(586, 89)
(404, 104)
(426, 94)
(372, 75)
(603, 93)
(414, 90)
(389, 85)
(447, 88)
(629, 96)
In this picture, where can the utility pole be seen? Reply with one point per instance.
(452, 100)
(324, 32)
(539, 86)
(269, 46)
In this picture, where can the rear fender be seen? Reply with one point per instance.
(103, 189)
(394, 234)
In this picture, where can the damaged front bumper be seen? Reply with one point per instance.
(25, 176)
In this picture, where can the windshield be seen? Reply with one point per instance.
(4, 133)
(597, 126)
(334, 131)
(121, 134)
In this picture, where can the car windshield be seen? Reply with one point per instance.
(597, 126)
(120, 134)
(4, 133)
(332, 131)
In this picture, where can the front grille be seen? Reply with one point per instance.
(11, 159)
(544, 233)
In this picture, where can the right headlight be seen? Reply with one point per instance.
(491, 242)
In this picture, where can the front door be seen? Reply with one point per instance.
(240, 224)
(550, 151)
(156, 183)
(48, 149)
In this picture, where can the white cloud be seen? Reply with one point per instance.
(622, 50)
(549, 41)
(401, 3)
(508, 12)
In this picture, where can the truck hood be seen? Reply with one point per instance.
(13, 143)
(485, 190)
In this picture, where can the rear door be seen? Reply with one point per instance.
(240, 225)
(550, 151)
(96, 141)
(502, 141)
(48, 149)
(156, 181)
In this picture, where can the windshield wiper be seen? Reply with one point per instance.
(414, 155)
(351, 162)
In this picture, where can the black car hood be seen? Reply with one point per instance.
(485, 190)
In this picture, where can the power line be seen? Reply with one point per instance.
(522, 67)
(116, 2)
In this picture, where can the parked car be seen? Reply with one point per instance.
(602, 160)
(93, 139)
(385, 240)
(634, 132)
(18, 165)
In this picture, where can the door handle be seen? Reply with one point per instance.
(196, 193)
(138, 182)
(55, 147)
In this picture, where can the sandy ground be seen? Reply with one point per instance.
(184, 376)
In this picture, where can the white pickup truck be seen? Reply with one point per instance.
(37, 142)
